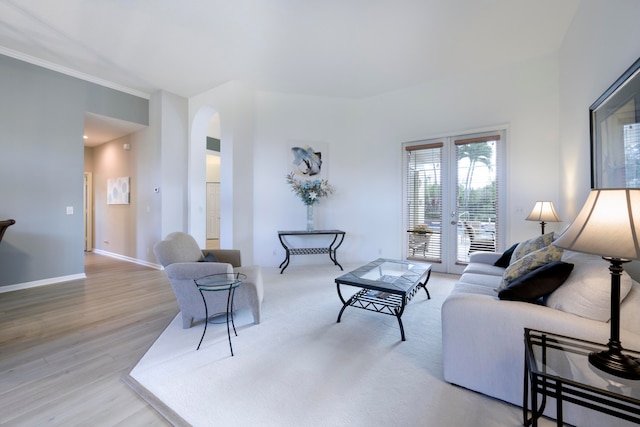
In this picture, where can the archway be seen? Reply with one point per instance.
(213, 183)
(201, 127)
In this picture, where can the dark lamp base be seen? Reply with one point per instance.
(616, 363)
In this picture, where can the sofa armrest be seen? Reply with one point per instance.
(483, 340)
(485, 257)
(231, 256)
(196, 270)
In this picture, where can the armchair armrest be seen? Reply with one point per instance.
(196, 270)
(231, 256)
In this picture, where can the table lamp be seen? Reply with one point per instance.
(608, 225)
(543, 212)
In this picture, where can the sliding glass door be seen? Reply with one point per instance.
(453, 198)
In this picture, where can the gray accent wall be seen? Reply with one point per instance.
(42, 165)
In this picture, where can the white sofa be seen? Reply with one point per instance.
(483, 336)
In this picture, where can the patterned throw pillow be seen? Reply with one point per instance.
(531, 245)
(529, 263)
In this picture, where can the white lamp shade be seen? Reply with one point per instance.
(607, 225)
(544, 211)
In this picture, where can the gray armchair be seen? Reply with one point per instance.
(183, 262)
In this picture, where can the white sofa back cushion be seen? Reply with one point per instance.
(587, 291)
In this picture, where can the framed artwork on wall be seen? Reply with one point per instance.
(118, 191)
(615, 133)
(308, 160)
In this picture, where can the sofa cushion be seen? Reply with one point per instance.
(587, 291)
(531, 245)
(530, 262)
(482, 268)
(486, 280)
(537, 283)
(505, 259)
(473, 288)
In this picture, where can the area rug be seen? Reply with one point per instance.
(301, 368)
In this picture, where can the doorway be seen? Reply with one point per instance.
(213, 158)
(88, 211)
(454, 198)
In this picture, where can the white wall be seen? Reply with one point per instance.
(522, 96)
(365, 155)
(156, 159)
(168, 119)
(543, 102)
(116, 225)
(213, 166)
(285, 119)
(234, 103)
(602, 42)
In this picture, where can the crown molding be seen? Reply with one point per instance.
(70, 72)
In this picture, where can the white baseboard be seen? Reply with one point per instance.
(128, 259)
(54, 280)
(44, 282)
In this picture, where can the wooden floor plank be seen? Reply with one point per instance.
(65, 347)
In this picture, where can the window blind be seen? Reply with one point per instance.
(424, 201)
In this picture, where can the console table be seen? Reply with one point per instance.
(338, 237)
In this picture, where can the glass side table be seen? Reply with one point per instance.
(559, 368)
(218, 283)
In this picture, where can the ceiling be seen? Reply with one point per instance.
(100, 129)
(336, 48)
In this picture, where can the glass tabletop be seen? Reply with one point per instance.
(387, 275)
(220, 282)
(565, 358)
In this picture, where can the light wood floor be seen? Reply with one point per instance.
(65, 347)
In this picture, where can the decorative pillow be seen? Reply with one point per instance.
(505, 259)
(537, 283)
(531, 245)
(529, 263)
(587, 292)
(209, 257)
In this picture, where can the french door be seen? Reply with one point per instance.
(454, 198)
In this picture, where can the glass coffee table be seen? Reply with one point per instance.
(387, 286)
(216, 283)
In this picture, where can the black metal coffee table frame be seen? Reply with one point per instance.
(390, 297)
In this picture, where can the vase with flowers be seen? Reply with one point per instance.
(310, 191)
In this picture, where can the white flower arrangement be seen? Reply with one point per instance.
(309, 191)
